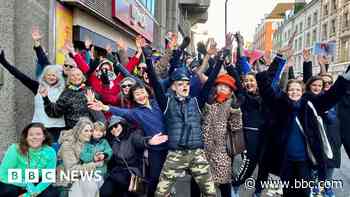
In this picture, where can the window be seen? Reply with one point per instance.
(346, 21)
(300, 43)
(315, 19)
(324, 32)
(308, 22)
(308, 39)
(325, 9)
(333, 27)
(295, 44)
(334, 6)
(149, 5)
(344, 51)
(301, 27)
(314, 36)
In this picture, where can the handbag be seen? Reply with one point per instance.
(325, 143)
(235, 143)
(137, 184)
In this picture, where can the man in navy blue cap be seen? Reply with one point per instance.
(183, 123)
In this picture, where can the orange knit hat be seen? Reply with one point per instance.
(227, 80)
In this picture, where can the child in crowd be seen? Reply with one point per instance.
(97, 149)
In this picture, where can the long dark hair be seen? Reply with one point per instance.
(23, 144)
(311, 80)
(125, 132)
(137, 86)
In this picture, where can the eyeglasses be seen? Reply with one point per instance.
(68, 66)
(328, 82)
(126, 85)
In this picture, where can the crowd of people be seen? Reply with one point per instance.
(160, 116)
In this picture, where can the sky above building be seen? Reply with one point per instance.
(243, 16)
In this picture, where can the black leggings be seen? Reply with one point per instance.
(250, 157)
(225, 190)
(8, 190)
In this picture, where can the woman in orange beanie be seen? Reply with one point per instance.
(219, 118)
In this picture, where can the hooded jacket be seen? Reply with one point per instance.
(33, 86)
(53, 93)
(109, 94)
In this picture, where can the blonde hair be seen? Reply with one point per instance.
(100, 126)
(81, 73)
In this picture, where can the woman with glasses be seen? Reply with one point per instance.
(128, 147)
(43, 61)
(125, 85)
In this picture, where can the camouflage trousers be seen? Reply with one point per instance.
(178, 163)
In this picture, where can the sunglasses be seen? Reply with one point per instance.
(126, 85)
(328, 82)
(68, 66)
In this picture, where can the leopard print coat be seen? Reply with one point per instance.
(218, 119)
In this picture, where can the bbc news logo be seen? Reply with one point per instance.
(49, 176)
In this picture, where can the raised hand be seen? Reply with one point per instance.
(306, 55)
(140, 42)
(211, 49)
(90, 95)
(201, 48)
(43, 91)
(2, 57)
(186, 41)
(36, 34)
(121, 45)
(322, 60)
(172, 40)
(69, 47)
(158, 139)
(229, 40)
(109, 48)
(289, 46)
(147, 51)
(88, 43)
(97, 106)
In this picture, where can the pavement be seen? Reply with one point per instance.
(343, 174)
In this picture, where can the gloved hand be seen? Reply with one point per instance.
(3, 58)
(185, 43)
(147, 52)
(201, 48)
(346, 75)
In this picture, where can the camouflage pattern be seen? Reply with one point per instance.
(181, 161)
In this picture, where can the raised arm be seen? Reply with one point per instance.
(31, 84)
(307, 66)
(330, 98)
(154, 81)
(204, 94)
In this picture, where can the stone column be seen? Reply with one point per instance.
(172, 16)
(160, 28)
(28, 13)
(7, 96)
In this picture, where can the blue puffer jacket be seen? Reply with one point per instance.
(183, 124)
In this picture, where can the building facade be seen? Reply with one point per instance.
(103, 21)
(318, 21)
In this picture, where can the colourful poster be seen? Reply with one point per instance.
(64, 29)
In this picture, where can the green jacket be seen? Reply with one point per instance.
(43, 158)
(91, 148)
